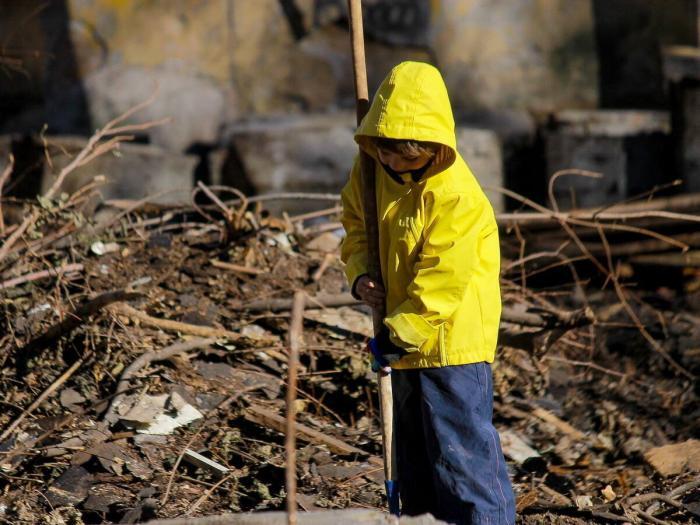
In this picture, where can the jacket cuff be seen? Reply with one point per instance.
(410, 330)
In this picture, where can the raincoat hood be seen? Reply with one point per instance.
(412, 104)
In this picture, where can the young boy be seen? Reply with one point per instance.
(440, 259)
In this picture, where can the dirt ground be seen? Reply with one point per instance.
(582, 409)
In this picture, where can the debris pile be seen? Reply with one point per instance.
(144, 357)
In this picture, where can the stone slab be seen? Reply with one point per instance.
(632, 150)
(313, 153)
(135, 171)
(481, 149)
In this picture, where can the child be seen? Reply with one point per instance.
(440, 259)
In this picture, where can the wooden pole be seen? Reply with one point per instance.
(372, 229)
(295, 335)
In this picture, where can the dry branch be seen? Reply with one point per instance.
(173, 326)
(44, 395)
(35, 276)
(92, 149)
(262, 416)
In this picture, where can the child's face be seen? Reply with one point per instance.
(401, 163)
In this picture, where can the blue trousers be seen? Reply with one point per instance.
(449, 457)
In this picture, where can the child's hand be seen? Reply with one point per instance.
(370, 291)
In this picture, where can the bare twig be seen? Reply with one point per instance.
(553, 180)
(74, 319)
(35, 276)
(207, 494)
(236, 267)
(633, 315)
(325, 263)
(573, 220)
(43, 396)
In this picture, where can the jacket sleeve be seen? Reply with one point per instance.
(353, 251)
(443, 269)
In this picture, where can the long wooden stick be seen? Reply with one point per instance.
(371, 225)
(295, 333)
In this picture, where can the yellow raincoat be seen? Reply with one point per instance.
(438, 238)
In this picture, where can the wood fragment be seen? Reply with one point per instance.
(670, 460)
(196, 459)
(325, 263)
(560, 424)
(318, 301)
(3, 179)
(262, 416)
(173, 326)
(236, 267)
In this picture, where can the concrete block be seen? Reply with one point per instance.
(481, 149)
(682, 70)
(313, 153)
(631, 149)
(134, 172)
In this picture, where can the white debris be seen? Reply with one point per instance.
(161, 415)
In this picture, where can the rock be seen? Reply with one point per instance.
(481, 149)
(70, 488)
(146, 409)
(344, 319)
(293, 79)
(326, 243)
(110, 456)
(630, 69)
(70, 399)
(313, 153)
(137, 172)
(516, 448)
(671, 460)
(152, 414)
